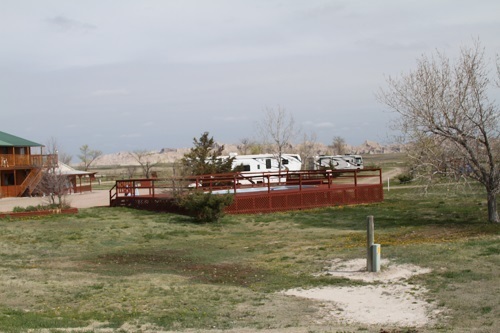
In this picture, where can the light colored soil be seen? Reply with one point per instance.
(95, 198)
(392, 301)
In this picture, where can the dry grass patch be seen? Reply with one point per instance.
(179, 263)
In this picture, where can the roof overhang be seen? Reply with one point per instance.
(9, 140)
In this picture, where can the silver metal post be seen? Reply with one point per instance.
(369, 241)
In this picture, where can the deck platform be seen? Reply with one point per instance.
(257, 193)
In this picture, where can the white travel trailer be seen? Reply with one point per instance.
(258, 167)
(339, 162)
(267, 162)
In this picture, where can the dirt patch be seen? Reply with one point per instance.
(390, 301)
(179, 263)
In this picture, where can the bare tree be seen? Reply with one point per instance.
(143, 157)
(338, 145)
(277, 128)
(88, 156)
(64, 157)
(54, 184)
(445, 111)
(308, 149)
(130, 171)
(244, 146)
(53, 148)
(248, 146)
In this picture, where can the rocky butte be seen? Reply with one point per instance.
(169, 155)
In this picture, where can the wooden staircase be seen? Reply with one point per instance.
(31, 182)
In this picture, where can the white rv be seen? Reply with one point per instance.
(267, 162)
(355, 160)
(339, 162)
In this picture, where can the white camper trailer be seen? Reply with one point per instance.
(267, 162)
(258, 167)
(339, 162)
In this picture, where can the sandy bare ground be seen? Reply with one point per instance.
(389, 301)
(95, 198)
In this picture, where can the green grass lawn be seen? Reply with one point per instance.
(116, 267)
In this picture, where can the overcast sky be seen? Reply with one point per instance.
(123, 75)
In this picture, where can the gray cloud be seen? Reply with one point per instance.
(66, 24)
(153, 74)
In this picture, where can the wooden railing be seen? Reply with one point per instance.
(34, 163)
(82, 188)
(257, 192)
(8, 161)
(235, 182)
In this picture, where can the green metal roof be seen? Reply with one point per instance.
(9, 140)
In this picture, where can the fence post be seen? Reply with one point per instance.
(375, 254)
(369, 242)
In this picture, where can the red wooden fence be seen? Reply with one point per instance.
(257, 192)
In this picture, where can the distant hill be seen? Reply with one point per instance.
(372, 147)
(169, 155)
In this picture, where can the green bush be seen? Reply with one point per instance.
(38, 208)
(18, 209)
(205, 207)
(405, 178)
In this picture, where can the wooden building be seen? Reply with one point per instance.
(21, 165)
(76, 181)
(24, 168)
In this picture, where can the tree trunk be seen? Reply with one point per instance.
(492, 208)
